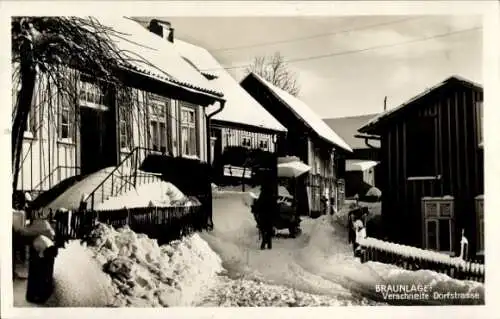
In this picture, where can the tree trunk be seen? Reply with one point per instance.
(28, 78)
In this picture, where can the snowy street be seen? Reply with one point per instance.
(313, 262)
(225, 267)
(316, 268)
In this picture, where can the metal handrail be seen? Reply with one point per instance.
(133, 174)
(91, 195)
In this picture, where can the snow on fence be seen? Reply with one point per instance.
(162, 223)
(413, 258)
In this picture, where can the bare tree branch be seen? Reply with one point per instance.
(275, 70)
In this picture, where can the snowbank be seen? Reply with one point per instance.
(148, 275)
(252, 293)
(159, 193)
(79, 281)
(328, 254)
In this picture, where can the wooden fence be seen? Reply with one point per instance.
(412, 258)
(162, 223)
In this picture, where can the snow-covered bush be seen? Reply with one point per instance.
(147, 274)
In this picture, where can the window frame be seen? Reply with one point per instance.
(267, 141)
(192, 128)
(91, 89)
(437, 218)
(160, 119)
(246, 137)
(63, 107)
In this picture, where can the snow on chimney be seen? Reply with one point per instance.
(162, 28)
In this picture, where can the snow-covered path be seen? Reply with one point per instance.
(308, 263)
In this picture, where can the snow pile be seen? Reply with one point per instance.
(79, 281)
(251, 293)
(148, 275)
(409, 251)
(159, 194)
(328, 254)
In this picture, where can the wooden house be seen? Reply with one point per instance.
(360, 168)
(308, 138)
(432, 167)
(159, 107)
(241, 124)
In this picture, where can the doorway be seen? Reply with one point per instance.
(97, 140)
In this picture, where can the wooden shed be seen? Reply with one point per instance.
(431, 160)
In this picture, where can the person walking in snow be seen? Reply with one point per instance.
(265, 209)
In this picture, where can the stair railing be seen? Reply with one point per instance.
(115, 177)
(119, 181)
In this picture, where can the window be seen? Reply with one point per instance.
(479, 122)
(65, 131)
(92, 95)
(188, 132)
(264, 144)
(158, 108)
(125, 129)
(421, 147)
(246, 141)
(438, 225)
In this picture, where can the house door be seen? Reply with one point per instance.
(97, 140)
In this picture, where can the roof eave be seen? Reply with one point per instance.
(297, 116)
(212, 94)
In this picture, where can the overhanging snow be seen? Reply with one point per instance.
(240, 107)
(304, 112)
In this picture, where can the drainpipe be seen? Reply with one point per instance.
(209, 116)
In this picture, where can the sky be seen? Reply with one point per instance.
(364, 58)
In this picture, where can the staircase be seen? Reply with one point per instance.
(106, 183)
(123, 178)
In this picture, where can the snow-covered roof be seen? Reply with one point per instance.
(240, 107)
(384, 115)
(359, 165)
(347, 128)
(149, 54)
(304, 112)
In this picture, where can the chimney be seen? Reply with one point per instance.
(162, 28)
(385, 103)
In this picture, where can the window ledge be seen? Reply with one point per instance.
(196, 157)
(423, 178)
(29, 135)
(66, 141)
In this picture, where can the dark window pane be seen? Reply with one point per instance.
(64, 131)
(445, 210)
(431, 234)
(163, 132)
(444, 235)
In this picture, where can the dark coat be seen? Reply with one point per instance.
(265, 208)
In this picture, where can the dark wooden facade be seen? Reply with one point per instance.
(302, 141)
(431, 147)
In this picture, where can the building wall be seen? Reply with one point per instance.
(458, 162)
(48, 159)
(231, 136)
